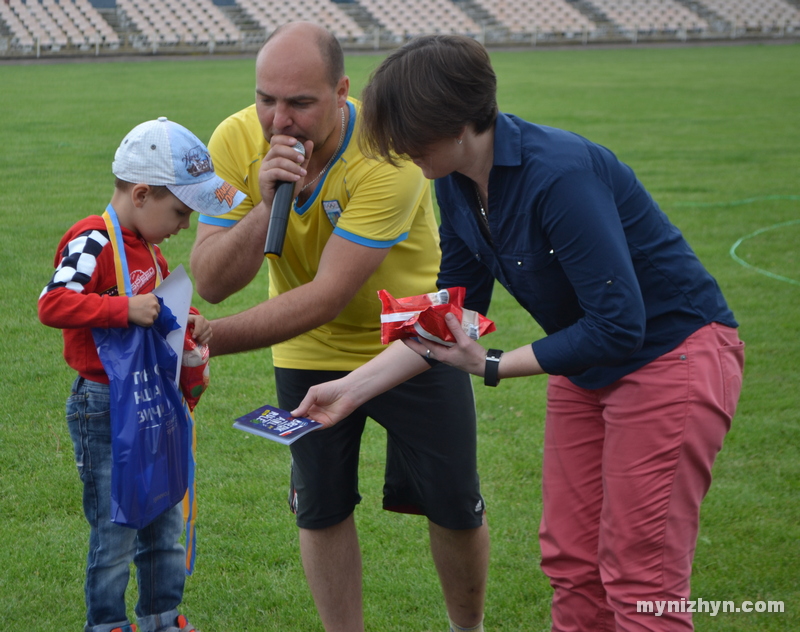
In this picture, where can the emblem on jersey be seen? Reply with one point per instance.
(333, 210)
(140, 278)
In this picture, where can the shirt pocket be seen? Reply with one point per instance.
(538, 282)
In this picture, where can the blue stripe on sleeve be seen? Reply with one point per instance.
(217, 221)
(372, 243)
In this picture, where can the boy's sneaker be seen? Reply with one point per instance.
(131, 627)
(181, 625)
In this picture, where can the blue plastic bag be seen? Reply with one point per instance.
(150, 430)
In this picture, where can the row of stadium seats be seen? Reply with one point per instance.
(650, 15)
(270, 14)
(59, 23)
(56, 24)
(414, 17)
(758, 14)
(543, 16)
(179, 21)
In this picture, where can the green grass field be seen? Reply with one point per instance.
(713, 132)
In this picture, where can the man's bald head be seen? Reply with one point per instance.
(330, 51)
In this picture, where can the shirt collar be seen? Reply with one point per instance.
(507, 142)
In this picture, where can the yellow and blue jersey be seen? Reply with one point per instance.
(365, 201)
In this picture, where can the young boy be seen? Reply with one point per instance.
(163, 173)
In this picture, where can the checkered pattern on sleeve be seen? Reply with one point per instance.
(78, 262)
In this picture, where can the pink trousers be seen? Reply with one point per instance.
(625, 470)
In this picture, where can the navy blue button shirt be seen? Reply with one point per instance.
(581, 245)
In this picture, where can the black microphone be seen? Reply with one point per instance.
(279, 217)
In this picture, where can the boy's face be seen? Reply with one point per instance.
(160, 218)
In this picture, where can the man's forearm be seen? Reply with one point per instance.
(232, 335)
(344, 268)
(225, 260)
(273, 321)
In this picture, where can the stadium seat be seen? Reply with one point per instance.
(417, 17)
(172, 22)
(540, 16)
(761, 15)
(269, 15)
(650, 15)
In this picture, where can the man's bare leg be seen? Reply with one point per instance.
(462, 560)
(332, 563)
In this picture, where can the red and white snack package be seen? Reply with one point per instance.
(194, 370)
(423, 316)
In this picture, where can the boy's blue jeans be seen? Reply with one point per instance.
(155, 550)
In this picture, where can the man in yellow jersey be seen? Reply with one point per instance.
(356, 226)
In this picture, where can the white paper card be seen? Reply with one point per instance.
(176, 291)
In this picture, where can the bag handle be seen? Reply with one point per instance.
(120, 259)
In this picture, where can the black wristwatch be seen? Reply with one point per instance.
(492, 365)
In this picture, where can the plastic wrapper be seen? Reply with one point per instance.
(194, 370)
(423, 316)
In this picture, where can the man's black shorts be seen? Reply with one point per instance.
(431, 464)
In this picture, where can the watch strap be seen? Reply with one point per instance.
(492, 366)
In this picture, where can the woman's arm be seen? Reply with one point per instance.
(470, 356)
(330, 402)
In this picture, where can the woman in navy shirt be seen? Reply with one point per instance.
(641, 349)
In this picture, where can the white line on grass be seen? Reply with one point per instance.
(732, 251)
(760, 231)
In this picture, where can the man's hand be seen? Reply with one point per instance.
(215, 247)
(143, 309)
(283, 163)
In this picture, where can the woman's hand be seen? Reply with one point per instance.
(466, 354)
(328, 403)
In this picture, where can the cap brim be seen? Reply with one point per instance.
(212, 197)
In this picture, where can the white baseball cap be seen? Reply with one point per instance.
(164, 153)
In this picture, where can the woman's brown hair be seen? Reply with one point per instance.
(428, 90)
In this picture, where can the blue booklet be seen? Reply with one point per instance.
(276, 424)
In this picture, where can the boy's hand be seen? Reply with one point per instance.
(143, 309)
(200, 329)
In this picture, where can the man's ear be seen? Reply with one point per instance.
(139, 193)
(342, 91)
